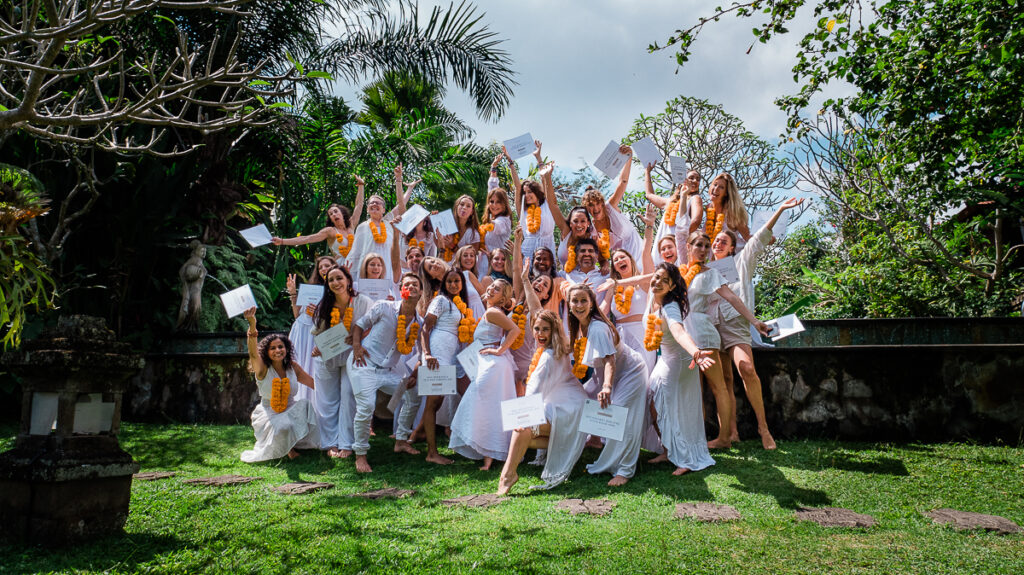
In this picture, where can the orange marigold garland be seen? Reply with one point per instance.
(570, 260)
(690, 273)
(533, 362)
(533, 219)
(652, 332)
(605, 243)
(484, 229)
(344, 248)
(337, 318)
(579, 369)
(624, 299)
(414, 243)
(406, 338)
(671, 212)
(449, 253)
(713, 223)
(466, 325)
(519, 317)
(379, 231)
(280, 390)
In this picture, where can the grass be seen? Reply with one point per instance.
(177, 528)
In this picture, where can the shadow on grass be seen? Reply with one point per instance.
(125, 552)
(171, 447)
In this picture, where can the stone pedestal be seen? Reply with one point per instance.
(67, 478)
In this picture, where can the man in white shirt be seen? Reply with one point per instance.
(587, 268)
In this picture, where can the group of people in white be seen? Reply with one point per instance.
(575, 321)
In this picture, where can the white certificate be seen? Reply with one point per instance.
(444, 223)
(610, 161)
(727, 267)
(411, 218)
(609, 423)
(440, 381)
(784, 326)
(331, 342)
(256, 236)
(374, 289)
(520, 146)
(761, 217)
(238, 300)
(309, 294)
(522, 412)
(646, 152)
(679, 169)
(470, 358)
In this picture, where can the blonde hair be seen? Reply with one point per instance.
(615, 273)
(557, 342)
(506, 292)
(457, 262)
(592, 194)
(366, 262)
(735, 211)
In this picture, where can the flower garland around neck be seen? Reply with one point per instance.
(519, 317)
(570, 260)
(652, 332)
(533, 219)
(336, 317)
(449, 253)
(379, 231)
(691, 272)
(466, 325)
(346, 247)
(279, 391)
(421, 244)
(671, 212)
(484, 229)
(533, 362)
(713, 223)
(604, 242)
(624, 299)
(406, 339)
(579, 369)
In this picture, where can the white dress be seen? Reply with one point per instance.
(681, 231)
(277, 433)
(302, 348)
(445, 346)
(477, 428)
(632, 333)
(563, 405)
(543, 237)
(678, 399)
(629, 390)
(365, 244)
(522, 356)
(498, 237)
(704, 306)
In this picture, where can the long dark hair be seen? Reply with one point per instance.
(678, 293)
(568, 220)
(463, 292)
(263, 348)
(595, 315)
(315, 278)
(346, 216)
(323, 309)
(536, 188)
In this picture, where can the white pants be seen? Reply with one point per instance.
(335, 404)
(366, 381)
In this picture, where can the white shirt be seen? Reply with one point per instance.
(379, 337)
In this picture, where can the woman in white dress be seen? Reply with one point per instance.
(496, 226)
(334, 401)
(626, 303)
(439, 340)
(302, 340)
(704, 288)
(551, 376)
(734, 329)
(281, 420)
(620, 375)
(338, 231)
(465, 261)
(476, 431)
(378, 236)
(610, 223)
(726, 210)
(537, 222)
(677, 399)
(372, 268)
(464, 211)
(684, 212)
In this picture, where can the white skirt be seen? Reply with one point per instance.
(477, 429)
(277, 433)
(679, 403)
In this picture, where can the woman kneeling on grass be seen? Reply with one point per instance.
(280, 420)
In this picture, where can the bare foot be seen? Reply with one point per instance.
(362, 465)
(334, 452)
(405, 447)
(293, 454)
(617, 481)
(734, 437)
(719, 444)
(505, 484)
(487, 464)
(417, 436)
(344, 453)
(680, 471)
(438, 459)
(767, 441)
(595, 442)
(659, 459)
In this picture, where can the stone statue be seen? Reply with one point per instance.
(192, 275)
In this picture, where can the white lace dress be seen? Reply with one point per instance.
(277, 433)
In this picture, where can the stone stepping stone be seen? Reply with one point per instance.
(702, 511)
(302, 487)
(223, 480)
(587, 506)
(965, 520)
(834, 517)
(386, 492)
(481, 500)
(153, 475)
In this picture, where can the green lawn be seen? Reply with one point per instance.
(176, 528)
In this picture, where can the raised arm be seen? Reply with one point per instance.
(517, 185)
(396, 254)
(551, 200)
(620, 189)
(293, 294)
(696, 208)
(357, 210)
(648, 260)
(258, 367)
(517, 262)
(658, 201)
